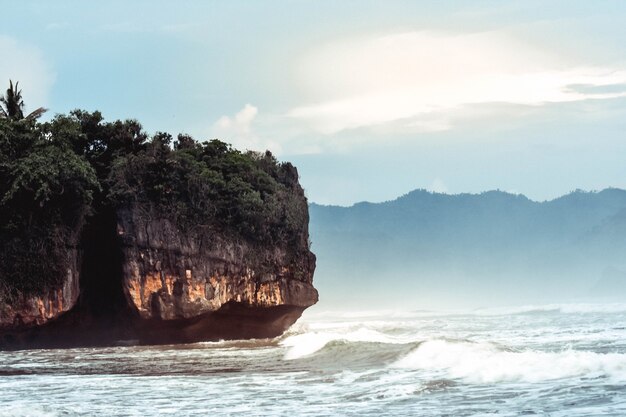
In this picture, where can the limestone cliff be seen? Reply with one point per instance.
(178, 286)
(32, 258)
(26, 310)
(185, 276)
(172, 274)
(137, 275)
(111, 235)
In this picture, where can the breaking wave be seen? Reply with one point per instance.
(489, 363)
(561, 360)
(473, 362)
(306, 344)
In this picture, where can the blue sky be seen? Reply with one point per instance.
(369, 99)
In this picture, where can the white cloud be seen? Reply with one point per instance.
(240, 124)
(238, 130)
(438, 186)
(26, 64)
(414, 80)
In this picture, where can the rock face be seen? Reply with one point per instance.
(108, 234)
(183, 277)
(174, 285)
(38, 309)
(170, 274)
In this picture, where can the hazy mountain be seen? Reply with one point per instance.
(427, 249)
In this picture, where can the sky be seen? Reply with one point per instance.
(369, 99)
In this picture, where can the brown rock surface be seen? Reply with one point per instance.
(182, 276)
(37, 309)
(178, 286)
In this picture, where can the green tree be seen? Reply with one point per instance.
(13, 105)
(55, 175)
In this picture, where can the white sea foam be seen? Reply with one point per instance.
(487, 363)
(25, 410)
(593, 308)
(305, 344)
(546, 362)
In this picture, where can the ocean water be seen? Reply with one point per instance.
(559, 360)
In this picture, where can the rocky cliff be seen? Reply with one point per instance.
(25, 310)
(30, 258)
(177, 286)
(171, 274)
(185, 277)
(115, 237)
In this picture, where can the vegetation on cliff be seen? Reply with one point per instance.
(55, 175)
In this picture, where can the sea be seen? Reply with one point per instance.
(555, 360)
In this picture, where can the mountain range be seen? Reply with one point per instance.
(433, 250)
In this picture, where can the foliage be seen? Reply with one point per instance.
(54, 174)
(13, 106)
(45, 192)
(210, 184)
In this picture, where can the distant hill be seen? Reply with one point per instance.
(488, 248)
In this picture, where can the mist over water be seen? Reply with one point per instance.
(557, 360)
(448, 252)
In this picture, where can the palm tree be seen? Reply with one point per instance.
(12, 106)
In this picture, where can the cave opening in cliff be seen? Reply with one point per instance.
(101, 275)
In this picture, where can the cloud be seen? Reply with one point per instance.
(438, 186)
(415, 80)
(238, 130)
(26, 64)
(591, 89)
(240, 124)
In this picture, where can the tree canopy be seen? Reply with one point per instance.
(54, 175)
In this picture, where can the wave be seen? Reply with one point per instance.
(489, 363)
(474, 362)
(306, 344)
